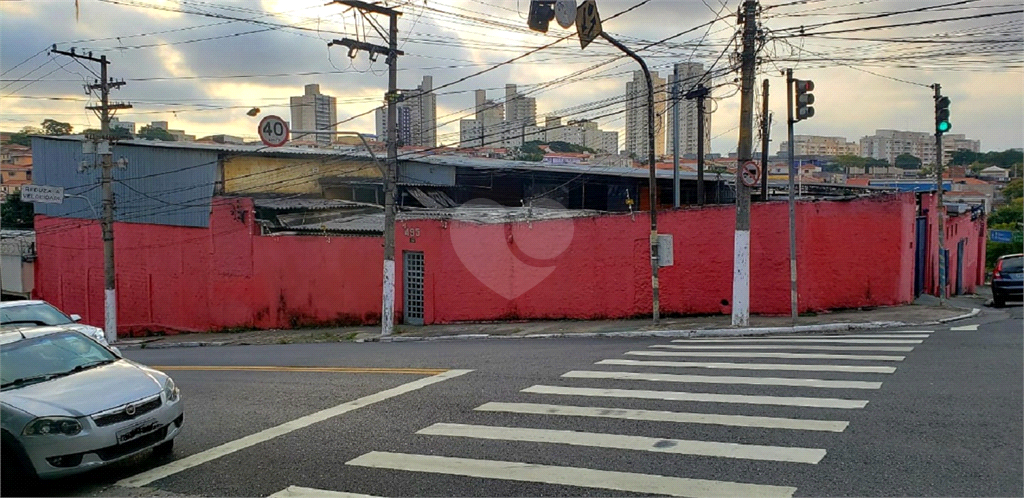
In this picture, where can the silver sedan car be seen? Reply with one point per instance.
(70, 404)
(36, 313)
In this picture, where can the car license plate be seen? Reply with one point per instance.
(137, 430)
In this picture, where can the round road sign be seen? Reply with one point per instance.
(565, 12)
(273, 131)
(748, 173)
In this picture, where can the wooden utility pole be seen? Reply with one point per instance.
(700, 93)
(102, 146)
(741, 243)
(766, 124)
(390, 173)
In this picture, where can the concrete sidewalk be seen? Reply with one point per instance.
(925, 311)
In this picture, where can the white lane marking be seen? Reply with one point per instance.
(666, 416)
(907, 334)
(301, 492)
(724, 379)
(752, 366)
(885, 349)
(568, 476)
(190, 461)
(700, 397)
(807, 339)
(806, 356)
(625, 442)
(971, 328)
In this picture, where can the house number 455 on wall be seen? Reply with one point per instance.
(412, 233)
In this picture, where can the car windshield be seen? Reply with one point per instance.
(1013, 265)
(33, 314)
(39, 359)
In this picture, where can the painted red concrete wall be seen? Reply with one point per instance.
(850, 254)
(191, 279)
(958, 228)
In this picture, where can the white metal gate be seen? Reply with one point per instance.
(413, 277)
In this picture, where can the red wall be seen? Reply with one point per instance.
(958, 228)
(197, 279)
(850, 254)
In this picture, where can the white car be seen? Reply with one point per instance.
(70, 405)
(42, 313)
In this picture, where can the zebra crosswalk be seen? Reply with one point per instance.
(769, 385)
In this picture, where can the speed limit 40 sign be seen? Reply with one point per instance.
(273, 131)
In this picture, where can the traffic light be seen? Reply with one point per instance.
(942, 124)
(804, 99)
(541, 13)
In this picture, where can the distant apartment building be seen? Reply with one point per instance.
(583, 132)
(689, 75)
(179, 135)
(509, 123)
(124, 125)
(814, 145)
(417, 117)
(15, 168)
(637, 122)
(889, 144)
(314, 111)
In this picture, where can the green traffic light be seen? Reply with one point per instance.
(943, 126)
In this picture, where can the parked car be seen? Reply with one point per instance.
(37, 313)
(70, 404)
(1008, 279)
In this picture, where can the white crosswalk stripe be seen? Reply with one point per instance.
(720, 379)
(810, 339)
(885, 349)
(806, 356)
(817, 336)
(625, 442)
(700, 397)
(751, 366)
(568, 476)
(666, 416)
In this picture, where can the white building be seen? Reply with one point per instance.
(314, 111)
(889, 144)
(637, 123)
(124, 125)
(690, 74)
(814, 145)
(500, 124)
(582, 132)
(417, 116)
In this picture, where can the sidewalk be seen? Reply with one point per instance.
(924, 311)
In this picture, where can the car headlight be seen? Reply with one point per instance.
(53, 425)
(171, 392)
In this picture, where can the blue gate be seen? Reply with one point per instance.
(920, 253)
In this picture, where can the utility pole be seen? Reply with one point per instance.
(699, 93)
(101, 145)
(390, 176)
(741, 242)
(675, 135)
(652, 180)
(941, 125)
(801, 110)
(766, 124)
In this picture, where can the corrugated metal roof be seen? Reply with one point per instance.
(374, 223)
(311, 204)
(215, 147)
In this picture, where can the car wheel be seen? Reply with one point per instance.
(998, 300)
(163, 449)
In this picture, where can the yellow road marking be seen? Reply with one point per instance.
(412, 371)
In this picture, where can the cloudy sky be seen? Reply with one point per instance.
(201, 64)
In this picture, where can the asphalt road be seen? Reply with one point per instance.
(946, 422)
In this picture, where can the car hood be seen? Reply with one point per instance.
(88, 391)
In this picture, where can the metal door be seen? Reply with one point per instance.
(960, 266)
(413, 287)
(920, 254)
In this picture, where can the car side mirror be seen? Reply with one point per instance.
(76, 318)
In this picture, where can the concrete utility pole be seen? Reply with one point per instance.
(675, 136)
(766, 124)
(390, 175)
(102, 146)
(653, 180)
(699, 93)
(792, 198)
(741, 243)
(941, 208)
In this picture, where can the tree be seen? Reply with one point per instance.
(54, 127)
(907, 161)
(846, 162)
(16, 213)
(1014, 190)
(150, 133)
(24, 137)
(963, 157)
